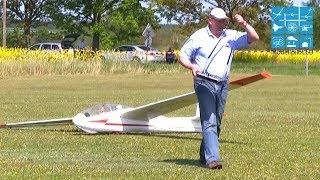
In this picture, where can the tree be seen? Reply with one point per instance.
(316, 22)
(191, 14)
(180, 11)
(27, 11)
(74, 16)
(314, 3)
(186, 13)
(125, 25)
(113, 20)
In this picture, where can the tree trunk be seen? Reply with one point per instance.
(27, 24)
(96, 41)
(27, 34)
(96, 33)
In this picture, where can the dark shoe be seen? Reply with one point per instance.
(214, 165)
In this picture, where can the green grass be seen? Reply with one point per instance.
(270, 131)
(94, 67)
(276, 68)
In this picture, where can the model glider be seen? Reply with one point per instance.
(104, 118)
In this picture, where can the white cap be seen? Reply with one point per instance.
(218, 13)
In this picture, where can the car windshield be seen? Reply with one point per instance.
(146, 48)
(55, 47)
(101, 108)
(46, 46)
(125, 48)
(35, 47)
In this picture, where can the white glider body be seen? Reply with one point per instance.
(105, 118)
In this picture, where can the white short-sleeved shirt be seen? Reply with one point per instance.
(213, 55)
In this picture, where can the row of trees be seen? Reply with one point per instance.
(114, 22)
(108, 22)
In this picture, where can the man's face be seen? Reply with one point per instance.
(218, 24)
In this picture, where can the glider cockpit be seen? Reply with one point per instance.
(103, 108)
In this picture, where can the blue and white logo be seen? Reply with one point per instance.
(278, 27)
(306, 41)
(278, 13)
(277, 42)
(292, 13)
(306, 13)
(292, 41)
(292, 27)
(306, 27)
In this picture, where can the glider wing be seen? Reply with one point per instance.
(151, 110)
(48, 122)
(247, 80)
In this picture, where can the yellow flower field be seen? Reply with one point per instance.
(25, 56)
(278, 57)
(275, 56)
(14, 61)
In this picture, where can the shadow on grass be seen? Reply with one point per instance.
(78, 132)
(67, 130)
(196, 162)
(166, 135)
(185, 162)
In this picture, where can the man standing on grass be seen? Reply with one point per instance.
(208, 54)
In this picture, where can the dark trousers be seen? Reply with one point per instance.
(212, 97)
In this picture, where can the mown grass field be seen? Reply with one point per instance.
(271, 130)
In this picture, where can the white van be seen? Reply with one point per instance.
(47, 46)
(66, 43)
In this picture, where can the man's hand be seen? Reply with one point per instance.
(195, 70)
(252, 34)
(240, 21)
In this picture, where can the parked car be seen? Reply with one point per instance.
(141, 53)
(47, 46)
(66, 43)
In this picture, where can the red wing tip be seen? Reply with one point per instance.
(3, 125)
(266, 75)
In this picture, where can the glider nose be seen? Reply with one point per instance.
(80, 121)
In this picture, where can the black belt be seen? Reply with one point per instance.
(207, 78)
